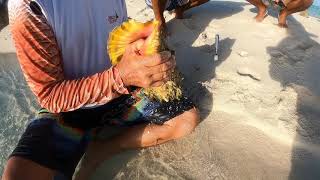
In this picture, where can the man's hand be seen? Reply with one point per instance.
(145, 71)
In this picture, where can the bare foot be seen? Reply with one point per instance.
(283, 25)
(282, 19)
(262, 13)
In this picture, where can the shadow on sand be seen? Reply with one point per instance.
(196, 61)
(295, 64)
(196, 64)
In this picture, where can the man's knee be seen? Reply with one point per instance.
(184, 124)
(175, 128)
(299, 5)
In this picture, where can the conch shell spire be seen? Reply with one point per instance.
(125, 34)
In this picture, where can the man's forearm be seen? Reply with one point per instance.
(41, 62)
(69, 95)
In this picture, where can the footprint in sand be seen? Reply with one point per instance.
(177, 44)
(243, 71)
(189, 24)
(243, 53)
(305, 45)
(276, 53)
(298, 51)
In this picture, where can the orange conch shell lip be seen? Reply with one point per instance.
(131, 31)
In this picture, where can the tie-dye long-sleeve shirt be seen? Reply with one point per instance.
(61, 47)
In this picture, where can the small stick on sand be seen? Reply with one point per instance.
(216, 54)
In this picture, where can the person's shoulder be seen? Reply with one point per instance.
(17, 8)
(21, 11)
(16, 5)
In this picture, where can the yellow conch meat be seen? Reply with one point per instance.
(121, 36)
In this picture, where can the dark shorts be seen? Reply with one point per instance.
(173, 4)
(58, 142)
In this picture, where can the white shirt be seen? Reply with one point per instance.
(82, 28)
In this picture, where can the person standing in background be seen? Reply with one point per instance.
(286, 8)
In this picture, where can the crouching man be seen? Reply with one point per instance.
(61, 47)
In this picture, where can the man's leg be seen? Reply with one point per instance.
(18, 168)
(46, 149)
(193, 3)
(293, 7)
(158, 7)
(137, 137)
(262, 9)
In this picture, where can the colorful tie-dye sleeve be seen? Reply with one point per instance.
(41, 63)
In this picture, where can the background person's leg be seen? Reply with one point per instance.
(139, 136)
(158, 7)
(293, 7)
(195, 3)
(262, 9)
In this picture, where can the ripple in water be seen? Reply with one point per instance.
(17, 105)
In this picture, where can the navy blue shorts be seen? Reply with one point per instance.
(59, 141)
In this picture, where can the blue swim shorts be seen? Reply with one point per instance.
(58, 141)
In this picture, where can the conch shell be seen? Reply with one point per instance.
(121, 36)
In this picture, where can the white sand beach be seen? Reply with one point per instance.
(259, 103)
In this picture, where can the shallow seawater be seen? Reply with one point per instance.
(190, 158)
(17, 105)
(314, 10)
